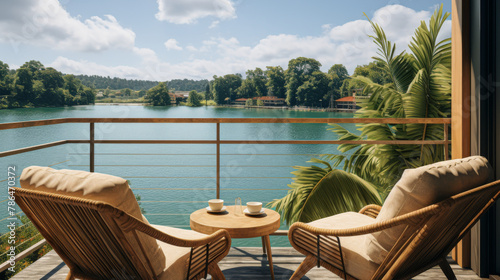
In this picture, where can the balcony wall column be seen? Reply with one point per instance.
(461, 100)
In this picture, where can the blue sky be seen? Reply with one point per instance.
(195, 39)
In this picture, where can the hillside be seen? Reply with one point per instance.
(101, 82)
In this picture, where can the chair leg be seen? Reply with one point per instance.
(70, 276)
(215, 271)
(306, 265)
(446, 268)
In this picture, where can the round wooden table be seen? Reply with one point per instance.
(239, 226)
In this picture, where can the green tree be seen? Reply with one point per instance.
(338, 74)
(225, 88)
(107, 92)
(126, 92)
(374, 71)
(88, 96)
(51, 97)
(51, 78)
(34, 66)
(5, 79)
(71, 84)
(249, 102)
(276, 81)
(24, 86)
(349, 85)
(53, 81)
(208, 94)
(299, 70)
(233, 83)
(4, 70)
(259, 79)
(313, 91)
(339, 70)
(247, 89)
(219, 90)
(420, 87)
(158, 95)
(194, 99)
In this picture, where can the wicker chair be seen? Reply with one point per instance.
(351, 245)
(98, 240)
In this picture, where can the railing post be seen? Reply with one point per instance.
(91, 147)
(446, 142)
(218, 159)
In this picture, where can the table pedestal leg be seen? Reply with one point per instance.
(269, 254)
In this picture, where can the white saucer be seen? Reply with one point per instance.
(209, 210)
(253, 214)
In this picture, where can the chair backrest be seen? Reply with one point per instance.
(88, 235)
(421, 187)
(75, 226)
(435, 230)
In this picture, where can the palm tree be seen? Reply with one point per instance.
(420, 87)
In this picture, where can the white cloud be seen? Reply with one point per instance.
(214, 24)
(191, 48)
(147, 55)
(48, 24)
(347, 44)
(188, 11)
(172, 44)
(67, 65)
(399, 23)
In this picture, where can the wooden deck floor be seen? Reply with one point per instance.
(241, 263)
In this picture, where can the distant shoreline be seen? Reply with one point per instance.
(245, 107)
(307, 109)
(119, 104)
(304, 109)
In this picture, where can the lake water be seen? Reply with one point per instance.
(173, 180)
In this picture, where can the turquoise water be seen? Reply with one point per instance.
(173, 180)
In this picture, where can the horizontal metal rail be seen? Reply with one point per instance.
(225, 120)
(224, 142)
(4, 266)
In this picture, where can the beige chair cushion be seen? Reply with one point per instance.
(356, 261)
(177, 258)
(421, 187)
(95, 186)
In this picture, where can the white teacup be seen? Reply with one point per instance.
(216, 204)
(254, 207)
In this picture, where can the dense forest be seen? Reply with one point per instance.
(301, 84)
(100, 82)
(34, 85)
(187, 85)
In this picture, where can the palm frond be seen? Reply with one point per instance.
(321, 192)
(420, 88)
(399, 67)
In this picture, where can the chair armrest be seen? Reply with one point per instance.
(325, 246)
(205, 251)
(412, 218)
(371, 210)
(177, 241)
